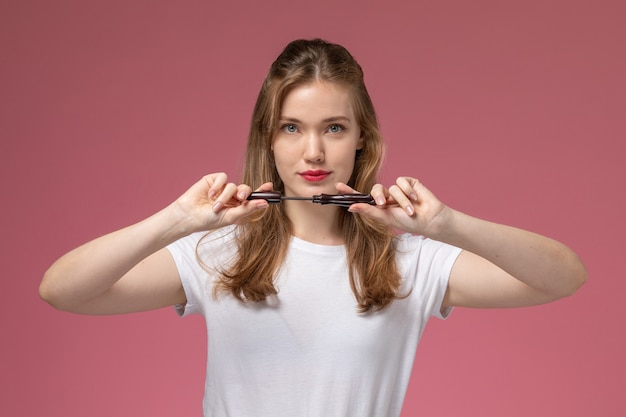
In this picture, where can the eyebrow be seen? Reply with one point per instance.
(327, 120)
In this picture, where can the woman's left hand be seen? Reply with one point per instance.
(407, 205)
(500, 266)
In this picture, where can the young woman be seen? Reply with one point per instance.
(311, 309)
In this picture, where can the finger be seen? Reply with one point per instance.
(379, 194)
(401, 198)
(243, 191)
(407, 185)
(344, 188)
(268, 186)
(225, 197)
(365, 209)
(377, 213)
(239, 213)
(216, 183)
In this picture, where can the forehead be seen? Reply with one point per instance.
(318, 100)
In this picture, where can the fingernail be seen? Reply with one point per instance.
(409, 210)
(241, 195)
(380, 201)
(353, 210)
(212, 193)
(413, 196)
(217, 206)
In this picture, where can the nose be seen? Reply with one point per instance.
(314, 148)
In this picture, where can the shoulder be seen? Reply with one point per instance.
(420, 255)
(410, 245)
(407, 242)
(202, 245)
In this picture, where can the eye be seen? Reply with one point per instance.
(335, 128)
(289, 128)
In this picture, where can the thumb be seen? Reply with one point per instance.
(344, 188)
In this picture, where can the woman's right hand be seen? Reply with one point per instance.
(213, 202)
(130, 269)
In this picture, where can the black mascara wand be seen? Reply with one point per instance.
(342, 200)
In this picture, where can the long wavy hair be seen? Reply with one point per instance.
(263, 240)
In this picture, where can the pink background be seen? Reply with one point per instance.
(512, 111)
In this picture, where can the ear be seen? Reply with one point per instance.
(359, 146)
(361, 142)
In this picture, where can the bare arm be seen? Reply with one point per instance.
(500, 266)
(503, 266)
(130, 269)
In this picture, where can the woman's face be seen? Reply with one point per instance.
(317, 139)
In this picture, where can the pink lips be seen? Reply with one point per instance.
(314, 175)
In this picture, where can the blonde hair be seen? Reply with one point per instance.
(263, 241)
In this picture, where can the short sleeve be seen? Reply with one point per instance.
(198, 258)
(184, 253)
(426, 265)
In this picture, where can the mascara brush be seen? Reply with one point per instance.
(341, 200)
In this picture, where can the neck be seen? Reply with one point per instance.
(314, 223)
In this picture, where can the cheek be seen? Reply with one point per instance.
(345, 161)
(283, 157)
(346, 152)
(281, 153)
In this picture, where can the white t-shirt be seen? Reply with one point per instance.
(307, 351)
